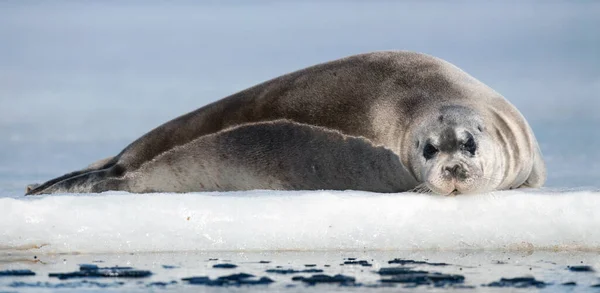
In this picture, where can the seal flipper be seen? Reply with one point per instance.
(537, 177)
(31, 187)
(90, 182)
(308, 157)
(281, 155)
(34, 189)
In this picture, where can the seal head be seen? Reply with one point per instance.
(453, 154)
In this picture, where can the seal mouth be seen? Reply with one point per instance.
(454, 192)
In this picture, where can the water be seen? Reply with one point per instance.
(79, 81)
(478, 268)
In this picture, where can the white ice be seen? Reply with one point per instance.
(300, 221)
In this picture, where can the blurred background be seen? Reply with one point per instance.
(79, 80)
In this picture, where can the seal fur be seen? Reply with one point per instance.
(392, 99)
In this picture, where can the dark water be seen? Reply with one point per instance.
(298, 271)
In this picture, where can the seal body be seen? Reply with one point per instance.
(439, 129)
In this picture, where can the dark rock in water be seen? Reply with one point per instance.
(522, 282)
(90, 267)
(264, 261)
(324, 279)
(580, 269)
(212, 259)
(363, 263)
(595, 286)
(197, 280)
(230, 280)
(326, 266)
(225, 266)
(378, 285)
(236, 277)
(83, 267)
(292, 271)
(415, 262)
(168, 267)
(93, 271)
(569, 284)
(66, 285)
(419, 278)
(351, 258)
(398, 271)
(310, 265)
(16, 273)
(161, 284)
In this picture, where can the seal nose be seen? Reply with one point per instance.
(456, 171)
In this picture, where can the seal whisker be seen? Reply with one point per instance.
(421, 188)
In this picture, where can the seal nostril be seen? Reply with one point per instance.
(453, 170)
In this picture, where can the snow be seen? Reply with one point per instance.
(118, 222)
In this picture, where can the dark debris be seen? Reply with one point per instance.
(16, 273)
(325, 279)
(363, 263)
(230, 280)
(580, 268)
(292, 271)
(398, 271)
(70, 285)
(401, 261)
(421, 278)
(161, 284)
(521, 282)
(224, 266)
(93, 271)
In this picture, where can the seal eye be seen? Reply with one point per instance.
(470, 146)
(429, 151)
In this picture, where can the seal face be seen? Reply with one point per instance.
(388, 121)
(453, 154)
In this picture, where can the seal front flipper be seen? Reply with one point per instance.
(281, 155)
(538, 175)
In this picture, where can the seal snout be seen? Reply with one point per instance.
(455, 171)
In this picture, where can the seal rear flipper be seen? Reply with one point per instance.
(31, 187)
(90, 182)
(34, 189)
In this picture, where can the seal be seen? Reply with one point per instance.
(388, 121)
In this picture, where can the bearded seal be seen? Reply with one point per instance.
(440, 129)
